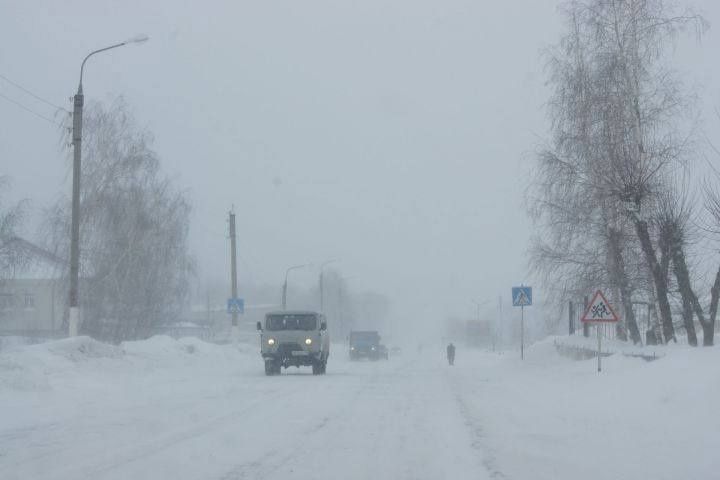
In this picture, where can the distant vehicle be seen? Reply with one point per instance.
(383, 352)
(365, 344)
(395, 350)
(294, 338)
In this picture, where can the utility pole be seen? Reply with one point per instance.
(74, 313)
(233, 276)
(78, 102)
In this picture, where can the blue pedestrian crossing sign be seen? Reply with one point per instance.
(522, 296)
(236, 305)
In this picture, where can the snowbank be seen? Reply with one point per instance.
(47, 365)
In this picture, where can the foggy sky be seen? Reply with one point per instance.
(395, 136)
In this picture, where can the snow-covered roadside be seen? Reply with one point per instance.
(553, 418)
(43, 387)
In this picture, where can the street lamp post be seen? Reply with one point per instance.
(341, 301)
(78, 102)
(478, 305)
(322, 284)
(285, 284)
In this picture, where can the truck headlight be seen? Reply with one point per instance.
(308, 341)
(271, 341)
(372, 348)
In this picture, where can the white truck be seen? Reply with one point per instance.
(294, 338)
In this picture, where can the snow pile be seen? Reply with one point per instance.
(79, 360)
(616, 346)
(30, 367)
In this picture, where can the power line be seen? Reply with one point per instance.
(37, 97)
(31, 111)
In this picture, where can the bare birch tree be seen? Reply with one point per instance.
(11, 218)
(614, 114)
(134, 226)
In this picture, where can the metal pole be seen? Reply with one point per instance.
(78, 102)
(599, 335)
(233, 277)
(522, 332)
(322, 291)
(285, 284)
(495, 324)
(74, 313)
(322, 282)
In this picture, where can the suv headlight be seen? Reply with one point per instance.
(271, 341)
(308, 341)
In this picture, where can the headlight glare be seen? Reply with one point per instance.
(271, 341)
(308, 341)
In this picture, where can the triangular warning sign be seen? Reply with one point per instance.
(599, 310)
(522, 299)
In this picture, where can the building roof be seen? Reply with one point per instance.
(35, 263)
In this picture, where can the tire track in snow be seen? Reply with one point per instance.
(336, 425)
(117, 459)
(477, 433)
(270, 461)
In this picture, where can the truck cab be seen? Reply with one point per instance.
(365, 344)
(294, 338)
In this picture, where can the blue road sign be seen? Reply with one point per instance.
(522, 296)
(236, 305)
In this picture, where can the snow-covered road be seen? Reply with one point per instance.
(77, 409)
(397, 419)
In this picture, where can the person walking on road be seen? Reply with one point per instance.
(451, 354)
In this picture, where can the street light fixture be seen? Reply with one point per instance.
(285, 284)
(78, 102)
(479, 304)
(322, 287)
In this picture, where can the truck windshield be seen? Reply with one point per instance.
(291, 322)
(364, 337)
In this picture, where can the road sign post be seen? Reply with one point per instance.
(599, 335)
(522, 297)
(599, 311)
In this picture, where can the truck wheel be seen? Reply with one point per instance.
(269, 368)
(317, 368)
(324, 367)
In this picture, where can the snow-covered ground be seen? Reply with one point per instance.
(77, 409)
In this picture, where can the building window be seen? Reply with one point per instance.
(7, 301)
(29, 300)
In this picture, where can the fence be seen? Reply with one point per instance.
(645, 317)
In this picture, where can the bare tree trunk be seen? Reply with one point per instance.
(658, 278)
(689, 298)
(688, 318)
(709, 327)
(621, 281)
